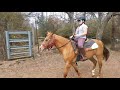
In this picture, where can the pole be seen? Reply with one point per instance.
(37, 42)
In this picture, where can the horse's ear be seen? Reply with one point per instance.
(47, 32)
(52, 33)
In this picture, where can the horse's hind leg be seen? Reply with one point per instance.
(67, 68)
(75, 68)
(93, 60)
(100, 58)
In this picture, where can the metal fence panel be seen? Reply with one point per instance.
(16, 51)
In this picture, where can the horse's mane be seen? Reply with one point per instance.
(61, 37)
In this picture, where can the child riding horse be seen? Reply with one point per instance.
(65, 47)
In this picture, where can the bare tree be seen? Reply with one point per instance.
(71, 17)
(104, 23)
(100, 16)
(84, 14)
(113, 34)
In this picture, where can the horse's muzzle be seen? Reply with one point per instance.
(41, 48)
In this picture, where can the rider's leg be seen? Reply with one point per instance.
(81, 48)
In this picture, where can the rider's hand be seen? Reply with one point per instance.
(71, 37)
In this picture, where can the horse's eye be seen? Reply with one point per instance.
(46, 40)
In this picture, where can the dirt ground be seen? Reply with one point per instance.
(50, 64)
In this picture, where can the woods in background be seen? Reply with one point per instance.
(102, 25)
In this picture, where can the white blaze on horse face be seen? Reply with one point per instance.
(42, 47)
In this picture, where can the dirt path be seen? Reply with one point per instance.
(51, 65)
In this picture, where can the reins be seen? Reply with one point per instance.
(62, 45)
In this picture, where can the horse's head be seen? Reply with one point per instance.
(48, 42)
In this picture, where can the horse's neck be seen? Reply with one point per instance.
(60, 41)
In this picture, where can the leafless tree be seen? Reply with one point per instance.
(104, 23)
(113, 34)
(71, 17)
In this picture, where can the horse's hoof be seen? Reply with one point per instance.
(93, 75)
(93, 72)
(98, 77)
(79, 76)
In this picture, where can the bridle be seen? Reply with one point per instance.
(52, 43)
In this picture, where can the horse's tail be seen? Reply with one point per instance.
(106, 53)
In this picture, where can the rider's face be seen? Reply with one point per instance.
(80, 22)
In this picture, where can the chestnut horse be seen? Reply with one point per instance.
(65, 47)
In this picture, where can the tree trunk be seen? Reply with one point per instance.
(118, 20)
(100, 15)
(113, 34)
(103, 25)
(71, 17)
(3, 50)
(36, 33)
(84, 14)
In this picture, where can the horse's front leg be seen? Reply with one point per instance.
(76, 69)
(67, 68)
